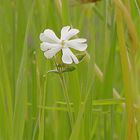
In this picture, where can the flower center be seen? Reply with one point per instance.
(62, 43)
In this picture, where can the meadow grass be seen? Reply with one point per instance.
(100, 100)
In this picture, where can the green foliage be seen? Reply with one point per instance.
(98, 99)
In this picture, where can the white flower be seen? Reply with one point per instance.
(51, 44)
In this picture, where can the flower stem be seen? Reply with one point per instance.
(67, 98)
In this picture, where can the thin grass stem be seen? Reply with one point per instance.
(65, 91)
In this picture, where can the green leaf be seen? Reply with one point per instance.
(83, 56)
(53, 71)
(62, 69)
(68, 69)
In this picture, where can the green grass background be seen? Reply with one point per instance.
(104, 92)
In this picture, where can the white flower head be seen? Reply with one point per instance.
(51, 44)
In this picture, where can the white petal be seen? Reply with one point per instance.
(49, 36)
(74, 58)
(64, 31)
(68, 57)
(78, 40)
(45, 46)
(71, 33)
(77, 46)
(43, 37)
(51, 52)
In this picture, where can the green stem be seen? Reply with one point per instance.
(67, 98)
(126, 72)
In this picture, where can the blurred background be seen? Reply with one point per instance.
(103, 91)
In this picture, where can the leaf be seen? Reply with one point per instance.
(68, 69)
(84, 56)
(62, 69)
(89, 1)
(53, 71)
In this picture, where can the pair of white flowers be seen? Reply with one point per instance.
(51, 44)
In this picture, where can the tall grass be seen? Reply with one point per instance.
(99, 100)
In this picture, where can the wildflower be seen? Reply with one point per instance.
(51, 44)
